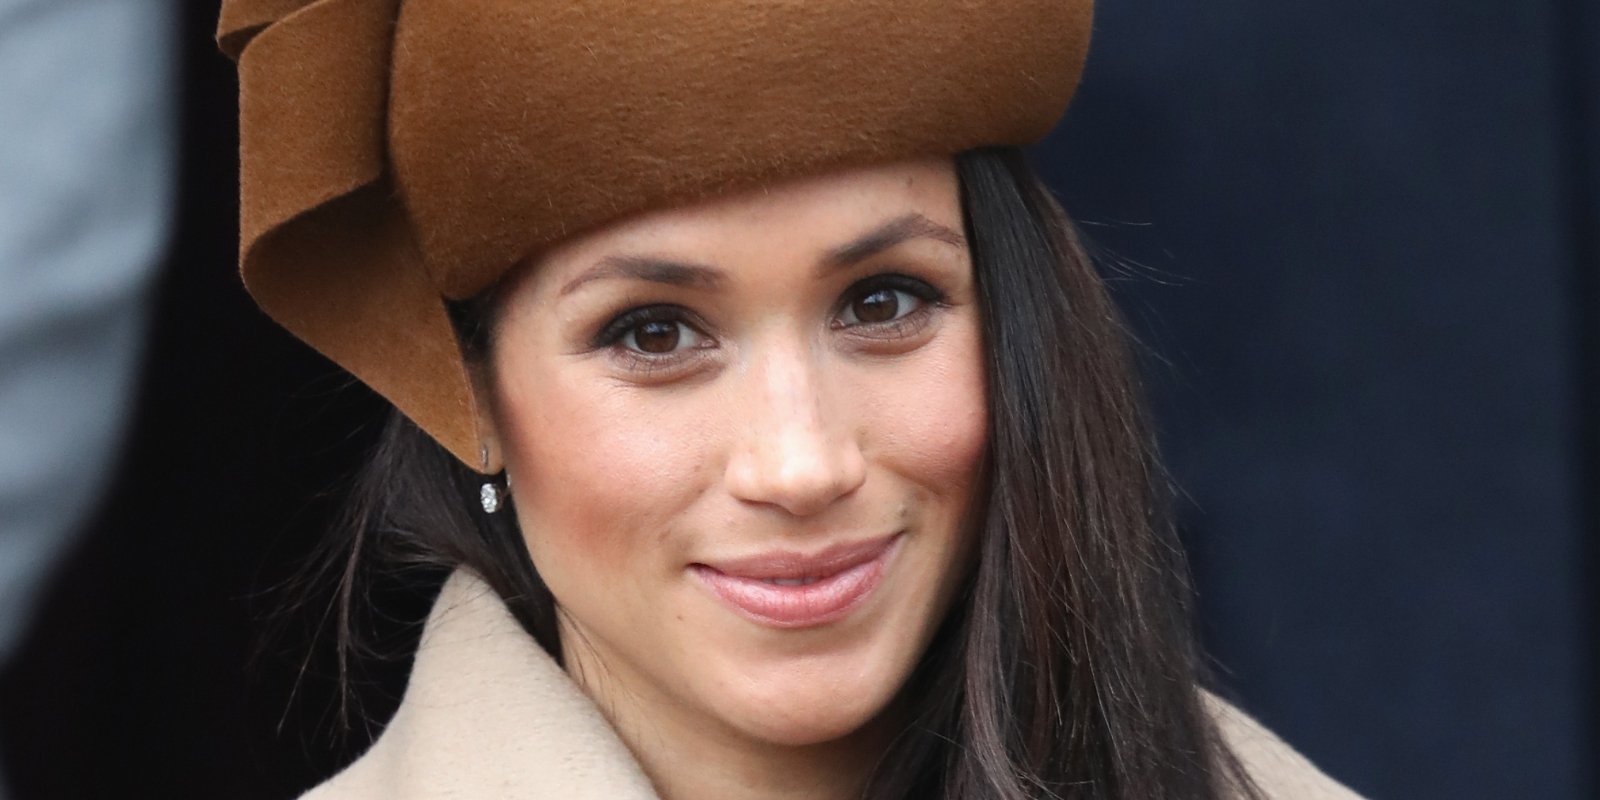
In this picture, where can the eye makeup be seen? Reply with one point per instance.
(882, 309)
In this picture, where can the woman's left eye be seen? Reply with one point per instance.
(886, 302)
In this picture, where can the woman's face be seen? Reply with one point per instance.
(744, 438)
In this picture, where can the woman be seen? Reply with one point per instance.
(780, 436)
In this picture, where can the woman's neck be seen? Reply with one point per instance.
(690, 756)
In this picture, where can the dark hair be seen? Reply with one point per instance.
(1067, 667)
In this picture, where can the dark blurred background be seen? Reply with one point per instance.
(1361, 244)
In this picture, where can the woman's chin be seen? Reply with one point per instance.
(799, 727)
(802, 713)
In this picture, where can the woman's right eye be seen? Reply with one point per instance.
(660, 337)
(651, 332)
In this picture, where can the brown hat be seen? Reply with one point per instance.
(394, 155)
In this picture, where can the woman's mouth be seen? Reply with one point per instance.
(784, 589)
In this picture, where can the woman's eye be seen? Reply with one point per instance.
(660, 337)
(879, 305)
(651, 332)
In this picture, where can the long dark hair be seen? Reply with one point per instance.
(1067, 668)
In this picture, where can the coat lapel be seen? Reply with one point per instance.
(489, 714)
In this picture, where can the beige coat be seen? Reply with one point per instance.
(488, 714)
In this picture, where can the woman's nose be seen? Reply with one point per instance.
(795, 450)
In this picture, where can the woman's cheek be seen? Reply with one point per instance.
(929, 421)
(604, 471)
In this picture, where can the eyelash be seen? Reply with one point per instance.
(613, 332)
(928, 298)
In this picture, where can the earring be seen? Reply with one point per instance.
(491, 496)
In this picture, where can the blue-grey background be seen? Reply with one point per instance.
(1360, 243)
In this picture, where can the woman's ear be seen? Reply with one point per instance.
(491, 456)
(490, 459)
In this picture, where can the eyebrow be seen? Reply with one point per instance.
(678, 273)
(647, 268)
(900, 229)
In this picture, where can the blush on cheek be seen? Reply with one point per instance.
(930, 419)
(600, 476)
(565, 534)
(581, 512)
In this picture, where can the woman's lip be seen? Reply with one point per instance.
(786, 564)
(845, 576)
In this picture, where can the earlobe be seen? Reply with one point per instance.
(490, 460)
(490, 456)
(491, 493)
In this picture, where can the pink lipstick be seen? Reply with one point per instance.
(785, 589)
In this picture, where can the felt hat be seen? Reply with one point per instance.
(395, 155)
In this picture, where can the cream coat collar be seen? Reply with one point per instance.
(489, 715)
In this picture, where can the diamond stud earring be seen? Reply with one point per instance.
(489, 496)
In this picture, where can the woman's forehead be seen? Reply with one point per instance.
(812, 215)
